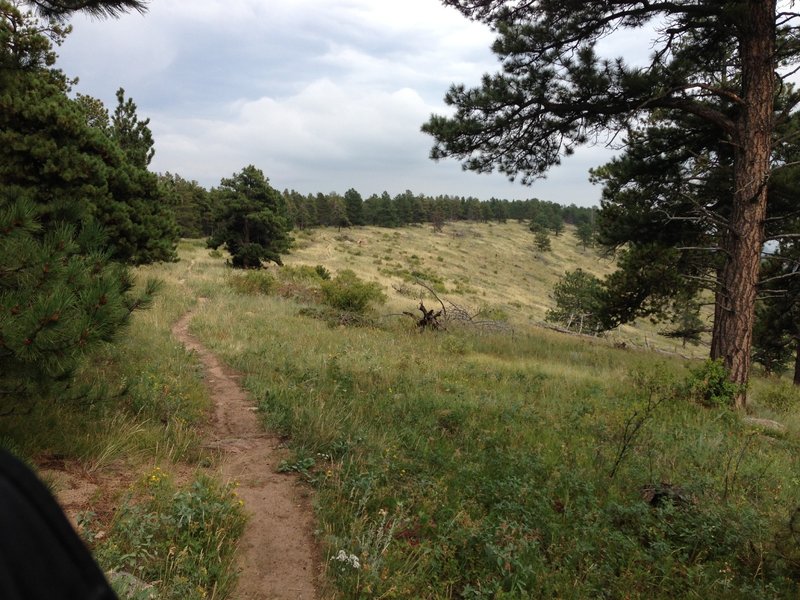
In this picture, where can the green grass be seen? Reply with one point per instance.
(179, 538)
(459, 465)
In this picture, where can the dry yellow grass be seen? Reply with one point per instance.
(478, 265)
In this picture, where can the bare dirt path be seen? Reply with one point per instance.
(276, 553)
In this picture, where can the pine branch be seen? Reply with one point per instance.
(63, 9)
(778, 277)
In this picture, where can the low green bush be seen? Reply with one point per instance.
(253, 282)
(180, 541)
(710, 386)
(346, 292)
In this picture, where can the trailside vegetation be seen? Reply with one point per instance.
(60, 296)
(473, 465)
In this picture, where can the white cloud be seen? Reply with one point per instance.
(321, 94)
(325, 123)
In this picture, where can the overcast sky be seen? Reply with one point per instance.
(322, 95)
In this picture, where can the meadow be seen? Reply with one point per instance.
(474, 462)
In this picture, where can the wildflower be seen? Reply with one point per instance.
(348, 559)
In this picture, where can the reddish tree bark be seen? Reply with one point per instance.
(745, 236)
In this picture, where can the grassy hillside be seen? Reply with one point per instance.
(491, 265)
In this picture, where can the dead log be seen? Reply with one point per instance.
(429, 320)
(454, 314)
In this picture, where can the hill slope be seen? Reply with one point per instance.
(494, 266)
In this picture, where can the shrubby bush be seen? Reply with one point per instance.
(710, 386)
(253, 282)
(304, 273)
(348, 293)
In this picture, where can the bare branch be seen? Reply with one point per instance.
(435, 295)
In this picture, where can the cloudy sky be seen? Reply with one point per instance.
(322, 95)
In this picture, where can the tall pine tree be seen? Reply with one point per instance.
(250, 221)
(556, 93)
(60, 294)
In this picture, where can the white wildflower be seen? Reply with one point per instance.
(350, 559)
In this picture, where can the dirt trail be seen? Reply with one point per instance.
(276, 552)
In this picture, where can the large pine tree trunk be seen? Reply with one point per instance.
(744, 240)
(719, 310)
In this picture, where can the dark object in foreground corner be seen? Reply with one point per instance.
(41, 556)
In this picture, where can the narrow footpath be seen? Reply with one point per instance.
(276, 557)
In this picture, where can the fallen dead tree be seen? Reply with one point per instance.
(619, 344)
(429, 320)
(456, 314)
(559, 329)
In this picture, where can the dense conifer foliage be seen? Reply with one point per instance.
(70, 161)
(409, 208)
(250, 221)
(61, 9)
(191, 203)
(60, 291)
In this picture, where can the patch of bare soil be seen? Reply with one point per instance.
(276, 553)
(78, 489)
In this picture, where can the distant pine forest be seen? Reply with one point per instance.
(195, 206)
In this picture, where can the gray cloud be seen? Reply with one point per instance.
(322, 95)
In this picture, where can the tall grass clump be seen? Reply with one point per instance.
(253, 282)
(781, 397)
